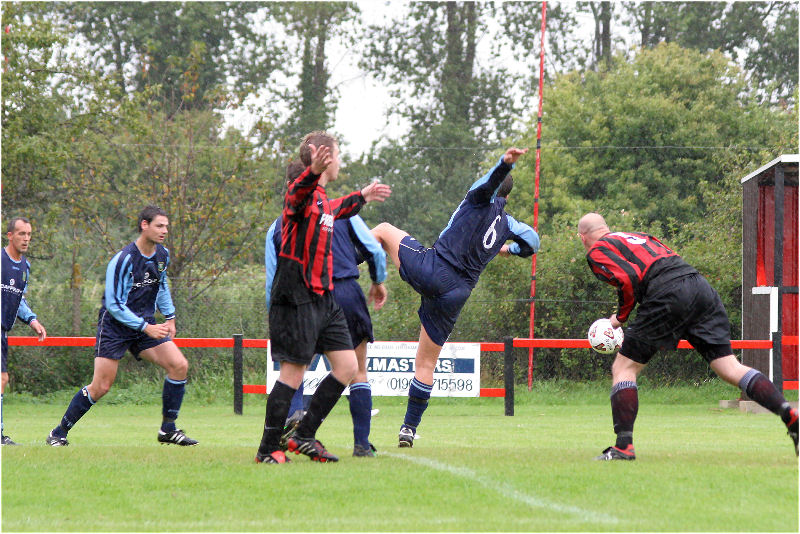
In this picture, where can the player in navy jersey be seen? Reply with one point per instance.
(352, 243)
(16, 274)
(136, 284)
(675, 302)
(304, 318)
(445, 274)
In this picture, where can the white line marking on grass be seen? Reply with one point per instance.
(507, 490)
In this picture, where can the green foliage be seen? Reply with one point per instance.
(762, 36)
(182, 47)
(312, 101)
(50, 101)
(643, 134)
(457, 108)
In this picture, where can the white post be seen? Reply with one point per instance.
(773, 314)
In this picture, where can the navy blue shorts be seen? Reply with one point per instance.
(444, 292)
(350, 298)
(299, 331)
(5, 352)
(687, 308)
(114, 338)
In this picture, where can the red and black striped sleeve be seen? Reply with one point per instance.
(348, 205)
(300, 192)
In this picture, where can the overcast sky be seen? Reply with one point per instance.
(362, 115)
(363, 103)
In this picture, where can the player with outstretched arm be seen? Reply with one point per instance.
(304, 318)
(445, 274)
(352, 243)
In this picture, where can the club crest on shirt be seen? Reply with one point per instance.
(161, 266)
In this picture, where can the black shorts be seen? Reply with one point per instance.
(297, 332)
(350, 298)
(688, 308)
(114, 338)
(444, 292)
(5, 352)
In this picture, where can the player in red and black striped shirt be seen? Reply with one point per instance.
(675, 302)
(304, 318)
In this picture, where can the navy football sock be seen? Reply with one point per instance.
(78, 406)
(297, 400)
(624, 407)
(277, 409)
(322, 402)
(418, 395)
(171, 400)
(361, 412)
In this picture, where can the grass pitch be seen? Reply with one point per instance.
(699, 468)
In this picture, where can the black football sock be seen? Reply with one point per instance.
(624, 407)
(760, 389)
(277, 409)
(323, 401)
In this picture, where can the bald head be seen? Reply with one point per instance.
(592, 227)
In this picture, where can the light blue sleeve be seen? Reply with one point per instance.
(119, 281)
(24, 311)
(377, 257)
(523, 234)
(270, 260)
(164, 297)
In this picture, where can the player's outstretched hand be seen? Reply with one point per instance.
(377, 296)
(513, 154)
(376, 191)
(320, 158)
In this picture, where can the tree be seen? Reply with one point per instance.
(761, 36)
(209, 181)
(81, 158)
(642, 136)
(602, 12)
(311, 27)
(457, 106)
(149, 44)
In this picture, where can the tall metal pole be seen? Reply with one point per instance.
(536, 193)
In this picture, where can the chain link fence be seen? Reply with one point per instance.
(225, 312)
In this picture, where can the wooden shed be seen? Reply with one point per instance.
(770, 268)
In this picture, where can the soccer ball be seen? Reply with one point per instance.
(603, 337)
